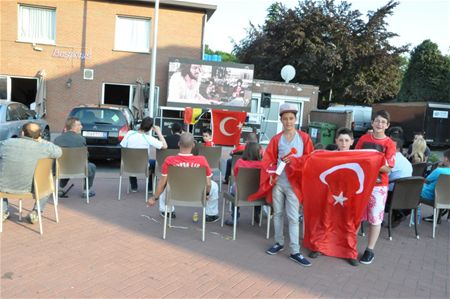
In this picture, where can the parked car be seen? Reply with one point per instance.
(361, 117)
(104, 127)
(14, 115)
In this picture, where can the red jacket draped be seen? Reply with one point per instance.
(293, 169)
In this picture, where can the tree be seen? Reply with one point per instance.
(226, 57)
(330, 45)
(427, 77)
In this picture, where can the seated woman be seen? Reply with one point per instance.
(419, 147)
(251, 158)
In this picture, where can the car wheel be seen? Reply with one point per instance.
(46, 134)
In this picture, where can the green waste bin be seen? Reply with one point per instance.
(321, 132)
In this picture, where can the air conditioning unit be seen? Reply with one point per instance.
(88, 74)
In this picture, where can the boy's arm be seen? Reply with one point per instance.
(159, 189)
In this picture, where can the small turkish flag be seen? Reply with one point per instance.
(227, 126)
(336, 188)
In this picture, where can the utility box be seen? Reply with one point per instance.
(321, 132)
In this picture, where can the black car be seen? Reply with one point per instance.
(104, 127)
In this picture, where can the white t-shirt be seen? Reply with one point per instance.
(402, 169)
(135, 139)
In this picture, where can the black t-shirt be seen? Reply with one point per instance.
(172, 141)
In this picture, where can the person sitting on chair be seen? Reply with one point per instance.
(173, 139)
(18, 159)
(186, 159)
(72, 138)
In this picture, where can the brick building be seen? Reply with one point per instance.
(92, 51)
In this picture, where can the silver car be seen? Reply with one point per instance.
(14, 115)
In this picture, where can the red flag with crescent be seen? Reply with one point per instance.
(227, 126)
(336, 188)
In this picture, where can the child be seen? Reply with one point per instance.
(375, 209)
(207, 137)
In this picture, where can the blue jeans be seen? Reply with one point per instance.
(42, 204)
(133, 179)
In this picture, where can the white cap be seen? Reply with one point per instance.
(287, 107)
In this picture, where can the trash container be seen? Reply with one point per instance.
(321, 132)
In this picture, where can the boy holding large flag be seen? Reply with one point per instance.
(282, 186)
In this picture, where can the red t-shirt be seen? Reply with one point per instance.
(209, 144)
(246, 164)
(182, 160)
(237, 149)
(384, 145)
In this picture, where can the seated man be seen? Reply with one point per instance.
(186, 159)
(18, 159)
(173, 139)
(431, 180)
(402, 168)
(72, 138)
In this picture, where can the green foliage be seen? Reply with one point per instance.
(226, 57)
(330, 45)
(427, 77)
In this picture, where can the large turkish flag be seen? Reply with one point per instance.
(336, 188)
(227, 126)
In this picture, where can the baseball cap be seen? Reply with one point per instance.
(286, 107)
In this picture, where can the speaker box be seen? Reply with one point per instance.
(265, 100)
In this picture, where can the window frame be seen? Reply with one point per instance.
(19, 19)
(125, 49)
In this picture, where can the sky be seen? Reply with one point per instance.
(413, 20)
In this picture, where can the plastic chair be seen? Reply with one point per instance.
(441, 198)
(406, 195)
(73, 164)
(213, 155)
(247, 183)
(43, 185)
(231, 179)
(161, 156)
(134, 162)
(419, 169)
(186, 186)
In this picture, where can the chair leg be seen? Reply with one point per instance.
(170, 217)
(390, 224)
(253, 216)
(203, 225)
(87, 190)
(235, 222)
(146, 190)
(39, 217)
(165, 223)
(260, 216)
(120, 187)
(415, 222)
(268, 222)
(434, 221)
(55, 205)
(223, 211)
(362, 229)
(20, 209)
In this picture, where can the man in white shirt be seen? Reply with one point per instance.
(142, 138)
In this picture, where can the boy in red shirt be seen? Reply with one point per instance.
(375, 209)
(207, 137)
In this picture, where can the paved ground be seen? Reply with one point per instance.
(113, 248)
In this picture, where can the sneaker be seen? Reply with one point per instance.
(211, 219)
(5, 216)
(33, 217)
(367, 257)
(428, 219)
(275, 249)
(353, 262)
(300, 259)
(91, 194)
(314, 254)
(133, 190)
(173, 214)
(230, 222)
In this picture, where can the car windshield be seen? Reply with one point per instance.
(100, 116)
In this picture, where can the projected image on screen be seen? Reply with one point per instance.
(197, 83)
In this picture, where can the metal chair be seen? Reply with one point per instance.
(186, 186)
(213, 155)
(419, 169)
(441, 198)
(247, 183)
(161, 156)
(73, 164)
(231, 179)
(134, 162)
(406, 195)
(43, 185)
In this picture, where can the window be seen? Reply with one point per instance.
(37, 24)
(132, 34)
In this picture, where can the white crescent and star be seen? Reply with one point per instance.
(223, 123)
(352, 166)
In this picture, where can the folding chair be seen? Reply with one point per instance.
(161, 156)
(73, 164)
(441, 198)
(213, 155)
(134, 162)
(186, 186)
(43, 185)
(247, 183)
(406, 195)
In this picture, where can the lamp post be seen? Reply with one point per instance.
(151, 98)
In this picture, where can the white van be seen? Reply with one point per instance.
(361, 117)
